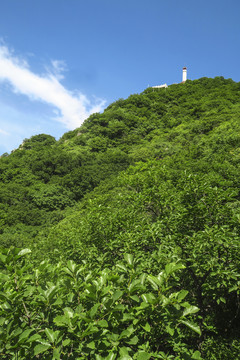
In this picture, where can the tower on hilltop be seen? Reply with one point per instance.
(184, 79)
(184, 74)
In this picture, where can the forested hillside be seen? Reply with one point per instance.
(121, 240)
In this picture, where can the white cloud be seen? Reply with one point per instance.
(74, 108)
(3, 132)
(58, 67)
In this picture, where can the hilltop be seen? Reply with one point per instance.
(151, 181)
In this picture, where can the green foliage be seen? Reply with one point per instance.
(154, 176)
(67, 311)
(38, 141)
(51, 197)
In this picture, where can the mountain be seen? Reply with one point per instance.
(148, 187)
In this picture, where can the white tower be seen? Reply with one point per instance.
(184, 74)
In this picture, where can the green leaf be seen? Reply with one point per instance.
(25, 335)
(153, 281)
(135, 298)
(67, 271)
(223, 300)
(119, 307)
(34, 338)
(147, 327)
(149, 298)
(142, 355)
(40, 348)
(61, 320)
(94, 310)
(59, 301)
(98, 357)
(192, 326)
(182, 294)
(190, 310)
(172, 267)
(196, 355)
(4, 277)
(3, 258)
(127, 316)
(135, 286)
(111, 357)
(133, 341)
(91, 345)
(50, 335)
(56, 354)
(142, 278)
(168, 268)
(24, 252)
(117, 294)
(122, 267)
(128, 258)
(124, 354)
(49, 293)
(68, 312)
(127, 333)
(170, 330)
(71, 265)
(102, 323)
(16, 332)
(66, 342)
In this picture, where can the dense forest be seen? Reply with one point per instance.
(121, 239)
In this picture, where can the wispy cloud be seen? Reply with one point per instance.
(3, 132)
(73, 107)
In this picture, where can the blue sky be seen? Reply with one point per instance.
(61, 60)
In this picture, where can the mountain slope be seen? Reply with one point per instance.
(153, 178)
(40, 180)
